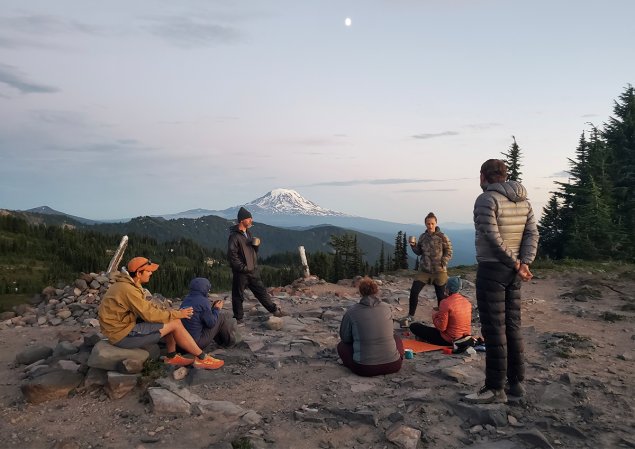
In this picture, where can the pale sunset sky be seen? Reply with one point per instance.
(125, 108)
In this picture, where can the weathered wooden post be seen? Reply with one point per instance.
(305, 264)
(116, 258)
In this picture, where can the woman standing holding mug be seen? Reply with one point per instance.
(435, 251)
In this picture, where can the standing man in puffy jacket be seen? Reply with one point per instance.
(506, 243)
(242, 252)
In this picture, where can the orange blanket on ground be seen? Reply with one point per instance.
(420, 346)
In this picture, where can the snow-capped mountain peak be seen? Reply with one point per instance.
(290, 202)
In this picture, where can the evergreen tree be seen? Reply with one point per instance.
(512, 161)
(551, 231)
(382, 259)
(404, 252)
(348, 257)
(587, 202)
(397, 255)
(619, 134)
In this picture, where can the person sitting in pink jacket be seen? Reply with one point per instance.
(452, 319)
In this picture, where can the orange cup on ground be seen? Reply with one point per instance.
(447, 350)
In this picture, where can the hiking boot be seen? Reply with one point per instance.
(179, 360)
(208, 362)
(461, 344)
(406, 321)
(516, 389)
(486, 395)
(280, 313)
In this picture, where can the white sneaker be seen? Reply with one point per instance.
(405, 322)
(486, 395)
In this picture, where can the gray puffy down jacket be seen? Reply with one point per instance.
(505, 225)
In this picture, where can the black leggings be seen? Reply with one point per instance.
(428, 334)
(416, 288)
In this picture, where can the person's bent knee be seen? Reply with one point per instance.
(171, 326)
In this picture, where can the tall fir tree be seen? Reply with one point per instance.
(512, 161)
(551, 231)
(382, 259)
(619, 134)
(397, 255)
(404, 252)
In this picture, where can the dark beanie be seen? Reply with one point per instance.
(243, 214)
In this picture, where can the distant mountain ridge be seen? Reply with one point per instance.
(45, 210)
(286, 208)
(290, 202)
(278, 202)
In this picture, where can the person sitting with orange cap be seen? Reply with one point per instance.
(130, 321)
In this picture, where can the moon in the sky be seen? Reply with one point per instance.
(348, 22)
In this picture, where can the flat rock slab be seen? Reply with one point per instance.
(166, 402)
(51, 385)
(403, 436)
(33, 354)
(493, 414)
(556, 396)
(464, 374)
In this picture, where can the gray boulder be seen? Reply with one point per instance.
(118, 385)
(33, 354)
(108, 357)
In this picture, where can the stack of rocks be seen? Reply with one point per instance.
(73, 304)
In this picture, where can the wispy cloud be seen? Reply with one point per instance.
(118, 147)
(6, 42)
(66, 118)
(435, 135)
(39, 24)
(315, 142)
(12, 77)
(188, 32)
(387, 181)
(483, 126)
(426, 190)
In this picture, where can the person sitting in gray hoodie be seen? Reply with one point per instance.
(369, 346)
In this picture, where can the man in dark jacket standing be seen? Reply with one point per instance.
(506, 244)
(242, 252)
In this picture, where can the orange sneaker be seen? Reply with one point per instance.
(208, 362)
(179, 360)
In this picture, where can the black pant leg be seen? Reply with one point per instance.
(413, 301)
(490, 296)
(439, 290)
(239, 282)
(428, 334)
(257, 287)
(515, 346)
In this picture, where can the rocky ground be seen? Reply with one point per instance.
(285, 388)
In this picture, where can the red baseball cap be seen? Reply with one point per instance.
(141, 262)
